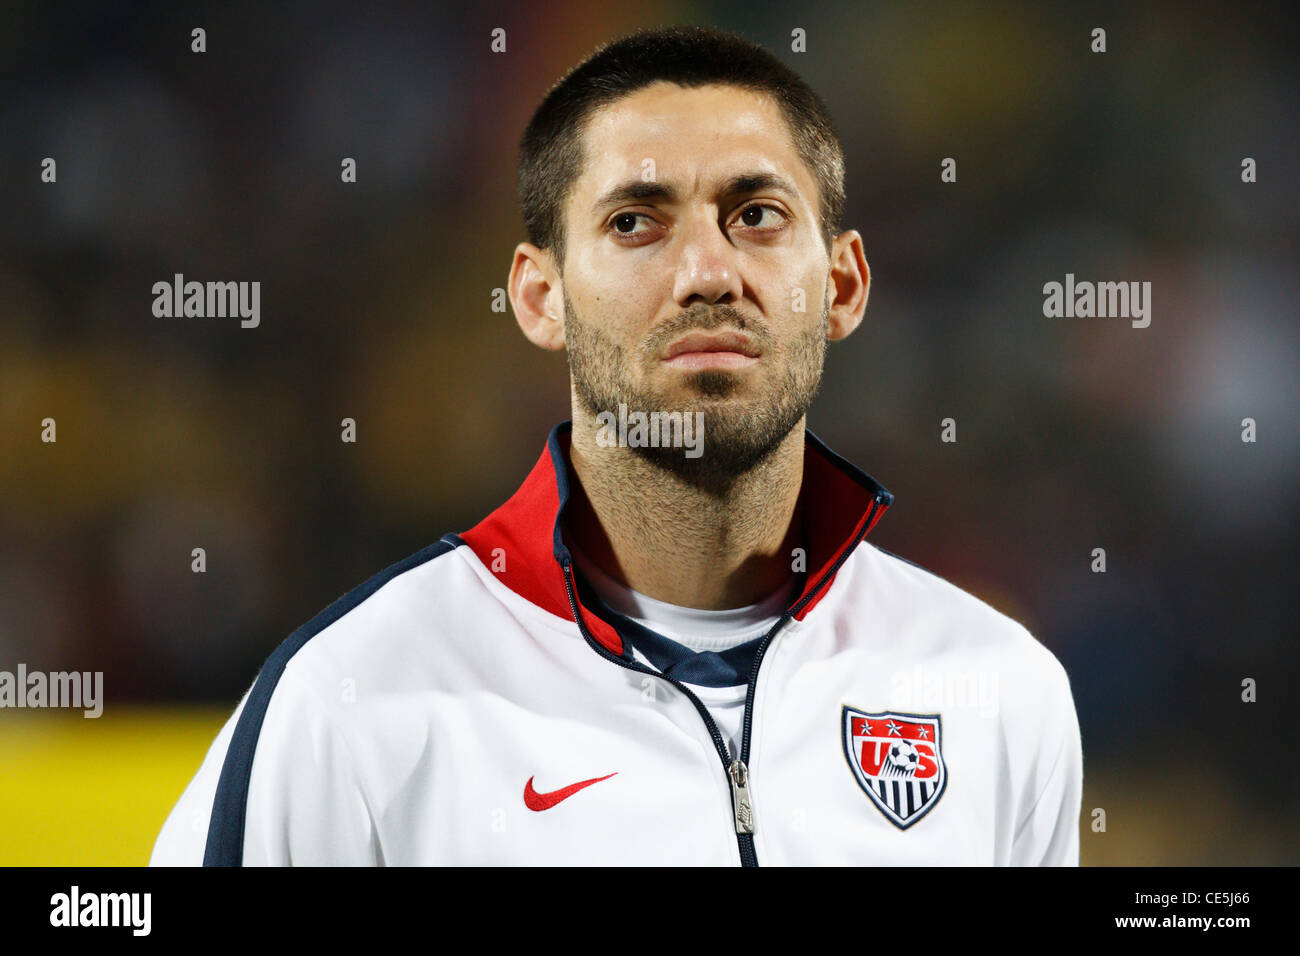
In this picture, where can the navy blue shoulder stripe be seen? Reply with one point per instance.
(225, 845)
(912, 563)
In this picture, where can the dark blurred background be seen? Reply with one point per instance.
(376, 304)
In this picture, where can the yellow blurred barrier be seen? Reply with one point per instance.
(95, 792)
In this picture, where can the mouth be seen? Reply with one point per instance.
(706, 350)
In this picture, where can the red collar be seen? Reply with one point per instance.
(521, 541)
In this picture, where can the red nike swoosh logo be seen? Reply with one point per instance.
(544, 801)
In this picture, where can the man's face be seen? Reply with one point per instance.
(670, 250)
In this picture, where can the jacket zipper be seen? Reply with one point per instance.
(737, 773)
(737, 770)
(747, 839)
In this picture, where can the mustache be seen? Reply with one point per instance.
(706, 319)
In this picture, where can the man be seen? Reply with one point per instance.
(672, 645)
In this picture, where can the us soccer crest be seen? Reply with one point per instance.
(898, 760)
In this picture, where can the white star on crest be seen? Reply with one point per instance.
(893, 729)
(924, 732)
(866, 728)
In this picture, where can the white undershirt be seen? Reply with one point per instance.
(700, 630)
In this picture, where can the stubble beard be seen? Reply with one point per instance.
(737, 437)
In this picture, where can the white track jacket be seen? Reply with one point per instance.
(476, 704)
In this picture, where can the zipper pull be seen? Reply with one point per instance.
(739, 774)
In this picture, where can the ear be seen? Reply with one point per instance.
(850, 284)
(537, 297)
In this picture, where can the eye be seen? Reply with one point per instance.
(752, 216)
(628, 220)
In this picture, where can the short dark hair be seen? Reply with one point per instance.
(550, 153)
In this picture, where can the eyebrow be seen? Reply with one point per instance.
(634, 190)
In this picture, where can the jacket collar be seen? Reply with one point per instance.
(522, 540)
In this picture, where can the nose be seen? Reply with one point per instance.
(708, 267)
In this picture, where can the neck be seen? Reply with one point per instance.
(658, 534)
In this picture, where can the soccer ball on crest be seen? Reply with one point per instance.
(903, 756)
